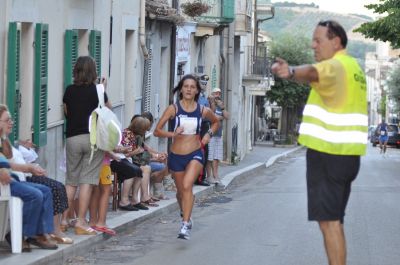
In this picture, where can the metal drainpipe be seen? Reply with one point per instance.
(223, 73)
(172, 68)
(230, 88)
(256, 28)
(222, 51)
(142, 28)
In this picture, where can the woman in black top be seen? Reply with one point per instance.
(80, 99)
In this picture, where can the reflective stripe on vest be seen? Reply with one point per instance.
(341, 130)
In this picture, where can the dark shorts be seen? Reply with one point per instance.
(125, 169)
(178, 163)
(329, 180)
(383, 138)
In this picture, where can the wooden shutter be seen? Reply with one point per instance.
(228, 10)
(95, 49)
(13, 76)
(70, 55)
(41, 76)
(71, 43)
(147, 80)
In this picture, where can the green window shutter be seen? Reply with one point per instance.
(71, 43)
(70, 55)
(13, 76)
(41, 72)
(147, 82)
(95, 49)
(228, 10)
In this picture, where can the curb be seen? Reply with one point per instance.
(273, 159)
(130, 220)
(230, 178)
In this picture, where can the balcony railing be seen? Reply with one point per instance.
(258, 64)
(221, 12)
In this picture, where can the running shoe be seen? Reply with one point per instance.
(184, 232)
(190, 223)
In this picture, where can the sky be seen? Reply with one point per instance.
(340, 6)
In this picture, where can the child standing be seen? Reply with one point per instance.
(99, 201)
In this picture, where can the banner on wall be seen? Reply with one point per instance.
(183, 43)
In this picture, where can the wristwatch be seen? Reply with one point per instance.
(210, 132)
(292, 71)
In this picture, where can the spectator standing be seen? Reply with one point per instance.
(205, 126)
(216, 145)
(80, 99)
(99, 201)
(186, 159)
(334, 129)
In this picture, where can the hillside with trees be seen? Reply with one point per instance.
(300, 20)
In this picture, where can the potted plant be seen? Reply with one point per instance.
(195, 8)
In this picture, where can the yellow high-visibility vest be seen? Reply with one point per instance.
(340, 128)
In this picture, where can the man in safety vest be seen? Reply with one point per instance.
(334, 129)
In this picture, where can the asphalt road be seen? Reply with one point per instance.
(262, 219)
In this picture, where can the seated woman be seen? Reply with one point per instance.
(134, 136)
(127, 173)
(35, 174)
(158, 165)
(38, 201)
(140, 159)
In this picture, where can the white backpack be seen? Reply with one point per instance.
(104, 126)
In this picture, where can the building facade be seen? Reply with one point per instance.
(40, 41)
(141, 47)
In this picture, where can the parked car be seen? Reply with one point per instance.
(371, 131)
(393, 133)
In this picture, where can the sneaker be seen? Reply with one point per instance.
(190, 223)
(219, 186)
(184, 232)
(202, 183)
(211, 180)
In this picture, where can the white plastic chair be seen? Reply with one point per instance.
(14, 214)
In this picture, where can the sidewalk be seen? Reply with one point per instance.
(261, 156)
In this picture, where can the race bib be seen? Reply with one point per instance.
(189, 125)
